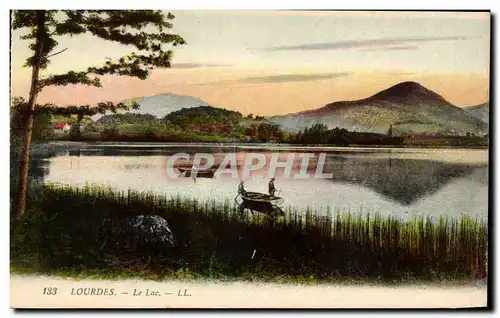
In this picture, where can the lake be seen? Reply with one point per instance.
(405, 182)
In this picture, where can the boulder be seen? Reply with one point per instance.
(149, 229)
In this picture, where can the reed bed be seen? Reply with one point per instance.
(70, 229)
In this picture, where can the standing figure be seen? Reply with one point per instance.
(241, 188)
(194, 173)
(272, 189)
(242, 192)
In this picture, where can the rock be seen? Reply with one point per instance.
(149, 229)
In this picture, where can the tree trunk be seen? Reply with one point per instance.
(24, 161)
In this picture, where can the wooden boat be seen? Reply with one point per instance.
(201, 173)
(260, 202)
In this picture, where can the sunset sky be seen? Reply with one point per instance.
(279, 62)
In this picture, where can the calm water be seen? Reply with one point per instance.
(405, 182)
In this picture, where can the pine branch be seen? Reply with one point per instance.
(120, 26)
(111, 25)
(69, 110)
(54, 54)
(69, 78)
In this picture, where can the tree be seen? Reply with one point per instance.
(316, 134)
(146, 30)
(389, 131)
(266, 131)
(42, 125)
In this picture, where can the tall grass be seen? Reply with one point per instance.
(71, 229)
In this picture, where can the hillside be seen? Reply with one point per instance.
(205, 113)
(163, 104)
(126, 118)
(481, 112)
(408, 107)
(204, 119)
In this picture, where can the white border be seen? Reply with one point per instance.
(191, 4)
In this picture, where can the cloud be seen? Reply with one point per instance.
(291, 78)
(359, 44)
(194, 65)
(281, 78)
(393, 48)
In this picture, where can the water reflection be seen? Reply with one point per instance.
(38, 167)
(401, 180)
(362, 181)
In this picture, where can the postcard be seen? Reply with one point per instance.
(249, 159)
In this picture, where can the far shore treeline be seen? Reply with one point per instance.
(210, 124)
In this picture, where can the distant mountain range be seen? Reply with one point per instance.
(163, 104)
(408, 107)
(481, 112)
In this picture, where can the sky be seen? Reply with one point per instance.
(277, 62)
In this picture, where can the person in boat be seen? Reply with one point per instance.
(241, 188)
(272, 189)
(194, 172)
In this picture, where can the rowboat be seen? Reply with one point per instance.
(200, 173)
(260, 202)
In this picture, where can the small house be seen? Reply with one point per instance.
(65, 127)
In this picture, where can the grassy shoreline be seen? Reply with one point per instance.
(440, 144)
(63, 234)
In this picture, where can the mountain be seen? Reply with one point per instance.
(163, 104)
(481, 112)
(408, 107)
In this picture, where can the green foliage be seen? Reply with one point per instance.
(38, 24)
(204, 119)
(42, 125)
(449, 141)
(146, 30)
(64, 119)
(320, 134)
(75, 131)
(92, 128)
(210, 124)
(263, 132)
(316, 134)
(71, 77)
(200, 114)
(115, 120)
(86, 110)
(127, 27)
(45, 115)
(110, 131)
(157, 131)
(145, 129)
(68, 233)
